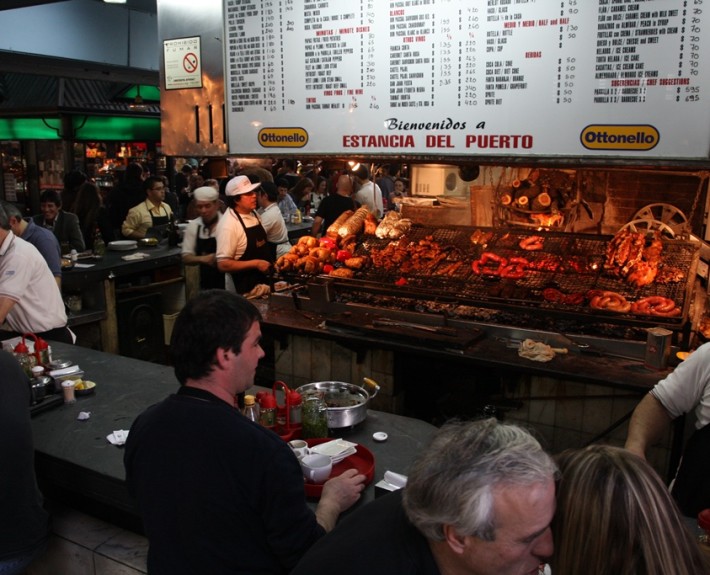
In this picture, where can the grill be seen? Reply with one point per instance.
(571, 263)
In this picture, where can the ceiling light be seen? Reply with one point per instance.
(114, 1)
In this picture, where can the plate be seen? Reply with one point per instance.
(89, 388)
(123, 245)
(362, 460)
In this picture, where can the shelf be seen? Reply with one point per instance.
(150, 286)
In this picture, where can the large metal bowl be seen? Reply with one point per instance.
(346, 403)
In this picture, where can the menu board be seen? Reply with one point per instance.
(571, 78)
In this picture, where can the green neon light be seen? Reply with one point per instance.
(84, 127)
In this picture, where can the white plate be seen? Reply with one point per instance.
(123, 245)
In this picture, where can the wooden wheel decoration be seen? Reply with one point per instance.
(649, 226)
(665, 213)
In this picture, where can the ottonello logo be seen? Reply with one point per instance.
(638, 137)
(283, 137)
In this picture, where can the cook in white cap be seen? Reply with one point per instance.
(199, 246)
(242, 248)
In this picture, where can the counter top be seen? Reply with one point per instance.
(113, 264)
(75, 455)
(486, 351)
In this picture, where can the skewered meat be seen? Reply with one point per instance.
(355, 223)
(333, 228)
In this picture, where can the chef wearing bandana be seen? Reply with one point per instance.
(199, 245)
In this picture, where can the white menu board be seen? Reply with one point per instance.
(571, 78)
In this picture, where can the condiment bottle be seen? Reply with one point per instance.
(251, 409)
(315, 416)
(42, 351)
(704, 524)
(99, 244)
(37, 371)
(294, 403)
(267, 411)
(27, 360)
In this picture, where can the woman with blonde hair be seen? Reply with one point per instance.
(616, 517)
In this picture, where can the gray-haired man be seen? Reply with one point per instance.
(479, 501)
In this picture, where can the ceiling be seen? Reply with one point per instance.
(141, 5)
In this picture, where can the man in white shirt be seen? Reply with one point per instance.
(272, 220)
(199, 245)
(368, 193)
(30, 300)
(686, 389)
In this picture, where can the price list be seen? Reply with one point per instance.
(508, 77)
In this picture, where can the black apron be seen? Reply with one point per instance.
(691, 488)
(210, 276)
(159, 227)
(257, 249)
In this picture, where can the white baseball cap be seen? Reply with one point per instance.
(240, 185)
(206, 194)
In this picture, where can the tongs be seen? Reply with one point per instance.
(430, 328)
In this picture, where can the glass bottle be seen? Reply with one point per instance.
(26, 359)
(314, 415)
(99, 244)
(295, 407)
(251, 408)
(267, 411)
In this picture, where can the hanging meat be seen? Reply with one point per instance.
(628, 257)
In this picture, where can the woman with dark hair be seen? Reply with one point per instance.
(64, 225)
(92, 214)
(301, 194)
(72, 181)
(616, 517)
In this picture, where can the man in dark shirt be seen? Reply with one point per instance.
(334, 205)
(218, 493)
(24, 524)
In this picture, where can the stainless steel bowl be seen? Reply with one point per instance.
(346, 403)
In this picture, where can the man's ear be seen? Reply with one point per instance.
(454, 539)
(222, 357)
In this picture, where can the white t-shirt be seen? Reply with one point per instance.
(189, 240)
(231, 239)
(275, 227)
(370, 195)
(687, 387)
(25, 278)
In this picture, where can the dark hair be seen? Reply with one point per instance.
(362, 172)
(150, 180)
(134, 171)
(4, 219)
(282, 183)
(74, 179)
(213, 319)
(51, 196)
(186, 169)
(270, 191)
(86, 208)
(11, 210)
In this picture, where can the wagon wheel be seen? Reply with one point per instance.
(649, 226)
(665, 213)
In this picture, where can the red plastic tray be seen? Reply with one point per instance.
(362, 460)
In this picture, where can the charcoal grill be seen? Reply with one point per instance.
(572, 263)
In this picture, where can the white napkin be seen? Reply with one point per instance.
(338, 449)
(118, 437)
(396, 479)
(65, 371)
(135, 256)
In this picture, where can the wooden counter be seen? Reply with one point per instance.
(76, 456)
(103, 280)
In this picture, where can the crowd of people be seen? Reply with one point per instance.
(219, 493)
